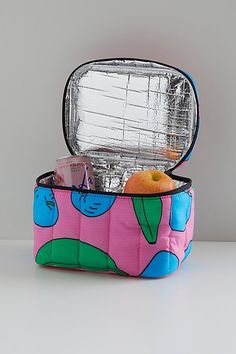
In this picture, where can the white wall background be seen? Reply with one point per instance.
(43, 41)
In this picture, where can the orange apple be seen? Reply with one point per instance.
(149, 182)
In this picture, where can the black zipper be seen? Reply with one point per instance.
(186, 186)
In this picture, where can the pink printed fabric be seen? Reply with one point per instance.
(118, 231)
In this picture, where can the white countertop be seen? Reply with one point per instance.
(46, 310)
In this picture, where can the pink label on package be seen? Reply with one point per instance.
(74, 171)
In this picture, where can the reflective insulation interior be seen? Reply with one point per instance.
(129, 115)
(50, 180)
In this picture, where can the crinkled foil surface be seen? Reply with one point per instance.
(129, 115)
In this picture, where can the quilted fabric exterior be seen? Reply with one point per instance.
(136, 236)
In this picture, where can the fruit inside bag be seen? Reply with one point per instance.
(149, 182)
(74, 171)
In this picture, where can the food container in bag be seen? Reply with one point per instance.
(125, 115)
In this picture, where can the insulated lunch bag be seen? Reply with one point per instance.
(126, 115)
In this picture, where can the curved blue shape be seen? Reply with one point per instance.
(90, 204)
(188, 250)
(163, 263)
(45, 210)
(188, 156)
(181, 204)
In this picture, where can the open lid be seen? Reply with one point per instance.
(131, 110)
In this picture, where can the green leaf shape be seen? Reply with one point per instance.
(148, 212)
(72, 253)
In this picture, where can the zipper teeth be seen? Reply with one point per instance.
(186, 186)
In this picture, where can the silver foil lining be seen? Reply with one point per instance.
(50, 180)
(129, 115)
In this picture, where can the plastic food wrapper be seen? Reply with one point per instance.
(74, 171)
